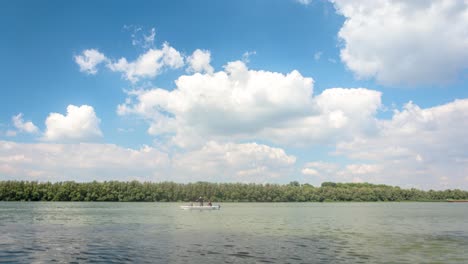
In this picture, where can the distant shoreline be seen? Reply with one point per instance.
(233, 202)
(134, 191)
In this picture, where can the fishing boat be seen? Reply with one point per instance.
(198, 207)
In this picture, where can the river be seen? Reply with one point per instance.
(238, 233)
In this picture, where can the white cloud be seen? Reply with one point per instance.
(149, 64)
(309, 171)
(417, 146)
(422, 148)
(408, 42)
(243, 104)
(80, 162)
(89, 60)
(322, 171)
(360, 169)
(339, 114)
(323, 167)
(335, 172)
(227, 103)
(79, 124)
(304, 2)
(27, 127)
(199, 61)
(249, 162)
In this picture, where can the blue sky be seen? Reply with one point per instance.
(258, 102)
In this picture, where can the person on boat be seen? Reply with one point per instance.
(209, 203)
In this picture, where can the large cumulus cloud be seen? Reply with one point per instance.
(244, 104)
(405, 42)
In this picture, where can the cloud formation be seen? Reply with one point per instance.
(404, 42)
(417, 147)
(89, 60)
(304, 2)
(149, 64)
(79, 162)
(229, 162)
(320, 171)
(246, 162)
(243, 104)
(80, 124)
(26, 127)
(199, 61)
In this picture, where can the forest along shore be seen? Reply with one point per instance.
(135, 191)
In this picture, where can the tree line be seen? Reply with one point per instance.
(135, 191)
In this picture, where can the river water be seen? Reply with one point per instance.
(238, 233)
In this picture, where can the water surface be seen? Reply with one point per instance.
(238, 233)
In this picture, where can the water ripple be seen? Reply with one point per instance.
(240, 233)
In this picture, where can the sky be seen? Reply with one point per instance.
(235, 91)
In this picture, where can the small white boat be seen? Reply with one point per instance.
(198, 207)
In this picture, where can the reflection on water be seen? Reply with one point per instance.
(238, 233)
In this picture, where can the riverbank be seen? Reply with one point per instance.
(115, 191)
